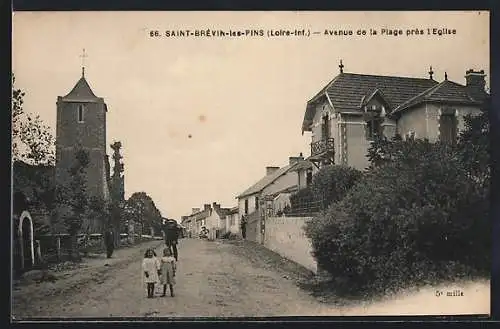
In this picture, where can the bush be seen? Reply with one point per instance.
(331, 183)
(303, 201)
(415, 218)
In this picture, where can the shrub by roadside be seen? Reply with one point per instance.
(419, 216)
(330, 184)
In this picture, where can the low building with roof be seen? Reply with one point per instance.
(277, 181)
(353, 109)
(233, 221)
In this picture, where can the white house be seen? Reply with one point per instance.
(233, 221)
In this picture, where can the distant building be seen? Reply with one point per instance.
(232, 221)
(351, 110)
(277, 181)
(212, 217)
(196, 220)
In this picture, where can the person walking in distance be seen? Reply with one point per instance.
(243, 227)
(168, 270)
(109, 242)
(171, 235)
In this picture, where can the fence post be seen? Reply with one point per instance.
(58, 248)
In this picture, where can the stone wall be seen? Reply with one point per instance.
(286, 236)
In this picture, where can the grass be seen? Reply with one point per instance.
(337, 291)
(260, 256)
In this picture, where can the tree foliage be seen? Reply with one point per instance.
(144, 212)
(73, 200)
(117, 205)
(419, 214)
(331, 183)
(32, 141)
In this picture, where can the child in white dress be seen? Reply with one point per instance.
(168, 269)
(150, 268)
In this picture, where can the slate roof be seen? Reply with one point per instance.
(81, 92)
(261, 184)
(233, 210)
(446, 91)
(347, 91)
(222, 212)
(303, 165)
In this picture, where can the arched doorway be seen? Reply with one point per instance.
(25, 234)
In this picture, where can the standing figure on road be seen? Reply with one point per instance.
(109, 242)
(150, 269)
(168, 269)
(243, 227)
(171, 235)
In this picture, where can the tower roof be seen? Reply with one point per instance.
(81, 92)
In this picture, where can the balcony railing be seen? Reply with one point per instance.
(322, 146)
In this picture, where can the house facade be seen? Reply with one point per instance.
(277, 181)
(216, 222)
(212, 217)
(353, 109)
(196, 220)
(233, 221)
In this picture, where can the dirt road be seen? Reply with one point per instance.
(214, 280)
(211, 281)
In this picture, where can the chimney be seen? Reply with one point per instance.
(270, 170)
(195, 210)
(293, 160)
(475, 82)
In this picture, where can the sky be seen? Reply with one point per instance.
(201, 117)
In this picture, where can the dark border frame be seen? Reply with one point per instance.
(492, 5)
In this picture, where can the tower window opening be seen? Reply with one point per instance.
(81, 109)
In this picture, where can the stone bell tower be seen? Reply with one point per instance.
(81, 120)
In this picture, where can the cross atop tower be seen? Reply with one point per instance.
(83, 56)
(341, 67)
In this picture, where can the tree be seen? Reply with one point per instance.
(117, 193)
(74, 199)
(418, 215)
(474, 147)
(331, 183)
(32, 141)
(383, 150)
(144, 211)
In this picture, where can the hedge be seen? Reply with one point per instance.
(418, 218)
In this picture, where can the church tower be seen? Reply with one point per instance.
(81, 120)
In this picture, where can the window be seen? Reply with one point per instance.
(411, 135)
(256, 202)
(448, 128)
(373, 128)
(246, 206)
(81, 110)
(309, 177)
(325, 127)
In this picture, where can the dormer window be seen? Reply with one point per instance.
(81, 113)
